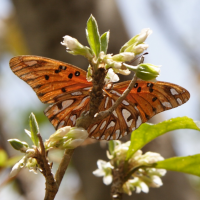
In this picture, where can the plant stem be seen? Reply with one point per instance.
(63, 165)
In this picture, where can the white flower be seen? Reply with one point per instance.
(139, 48)
(105, 170)
(75, 137)
(135, 184)
(71, 43)
(150, 158)
(17, 167)
(143, 35)
(111, 76)
(124, 57)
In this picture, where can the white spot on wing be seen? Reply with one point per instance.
(126, 103)
(173, 91)
(136, 108)
(167, 104)
(111, 124)
(138, 122)
(179, 101)
(117, 133)
(106, 102)
(103, 137)
(82, 103)
(73, 119)
(31, 62)
(127, 114)
(113, 102)
(115, 114)
(103, 125)
(87, 88)
(67, 103)
(76, 93)
(93, 128)
(61, 124)
(115, 92)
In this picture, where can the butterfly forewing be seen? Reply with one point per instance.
(66, 88)
(49, 78)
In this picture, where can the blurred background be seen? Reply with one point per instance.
(37, 27)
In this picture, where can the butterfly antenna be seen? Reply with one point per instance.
(141, 57)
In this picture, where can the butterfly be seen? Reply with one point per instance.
(66, 89)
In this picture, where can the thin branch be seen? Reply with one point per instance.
(106, 113)
(51, 186)
(63, 165)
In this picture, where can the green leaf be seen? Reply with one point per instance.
(34, 129)
(3, 157)
(93, 36)
(147, 132)
(132, 41)
(104, 41)
(111, 146)
(187, 164)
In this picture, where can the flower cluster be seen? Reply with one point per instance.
(66, 138)
(27, 161)
(142, 174)
(115, 63)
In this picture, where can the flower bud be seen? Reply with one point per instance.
(111, 76)
(143, 35)
(56, 139)
(18, 145)
(136, 40)
(146, 71)
(137, 49)
(18, 166)
(75, 47)
(124, 57)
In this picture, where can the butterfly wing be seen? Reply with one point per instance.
(52, 80)
(66, 88)
(144, 101)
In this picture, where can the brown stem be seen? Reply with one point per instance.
(116, 187)
(63, 165)
(96, 96)
(51, 186)
(106, 113)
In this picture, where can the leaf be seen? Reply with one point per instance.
(3, 157)
(147, 132)
(131, 42)
(187, 164)
(93, 36)
(34, 129)
(104, 41)
(111, 146)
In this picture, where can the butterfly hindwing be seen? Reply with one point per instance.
(144, 101)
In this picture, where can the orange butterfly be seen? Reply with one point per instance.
(65, 87)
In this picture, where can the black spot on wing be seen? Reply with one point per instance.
(61, 67)
(46, 77)
(70, 75)
(139, 89)
(77, 73)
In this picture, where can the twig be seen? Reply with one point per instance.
(51, 186)
(104, 114)
(63, 165)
